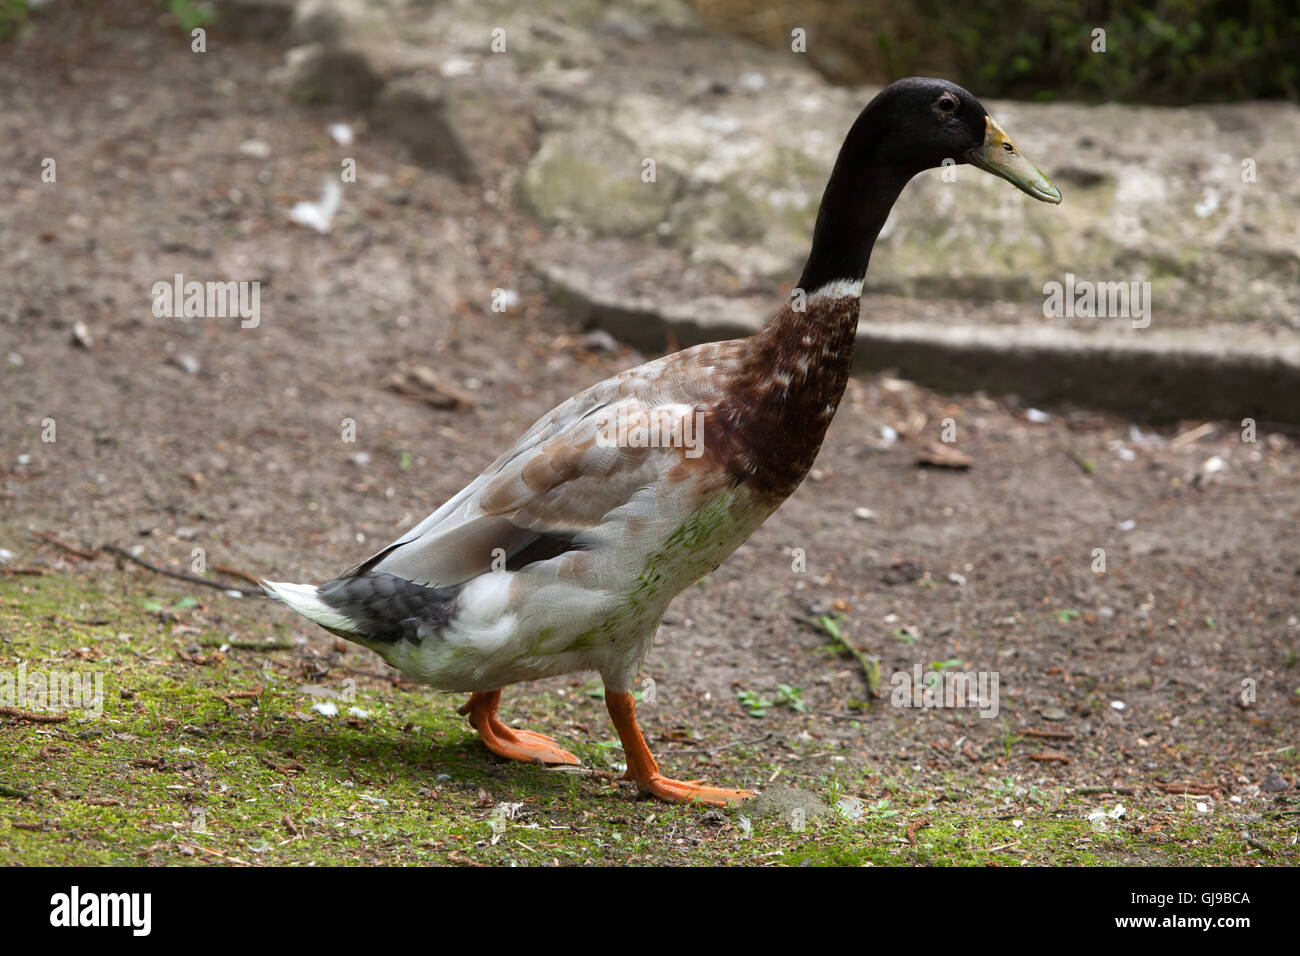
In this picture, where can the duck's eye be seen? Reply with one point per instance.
(946, 103)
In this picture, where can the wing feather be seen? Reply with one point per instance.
(561, 479)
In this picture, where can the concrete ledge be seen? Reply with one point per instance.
(1207, 373)
(1154, 375)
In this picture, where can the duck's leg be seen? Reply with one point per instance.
(507, 742)
(641, 766)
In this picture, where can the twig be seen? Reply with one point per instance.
(1262, 847)
(35, 572)
(15, 714)
(236, 573)
(834, 716)
(1091, 791)
(1049, 756)
(1187, 789)
(231, 859)
(178, 575)
(711, 751)
(1187, 437)
(870, 665)
(71, 549)
(1048, 734)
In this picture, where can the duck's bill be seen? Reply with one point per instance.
(1000, 157)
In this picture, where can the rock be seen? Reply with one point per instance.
(325, 21)
(617, 286)
(264, 21)
(318, 74)
(414, 112)
(785, 804)
(589, 179)
(744, 193)
(1274, 783)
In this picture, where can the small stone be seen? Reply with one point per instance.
(1274, 783)
(786, 803)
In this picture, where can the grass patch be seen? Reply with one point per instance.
(210, 749)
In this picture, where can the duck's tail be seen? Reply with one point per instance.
(370, 608)
(307, 601)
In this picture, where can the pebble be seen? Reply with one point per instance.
(1274, 783)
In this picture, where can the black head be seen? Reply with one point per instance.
(922, 122)
(914, 124)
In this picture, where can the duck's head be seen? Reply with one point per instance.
(934, 122)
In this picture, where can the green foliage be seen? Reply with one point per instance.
(1156, 51)
(757, 704)
(13, 14)
(1168, 51)
(191, 14)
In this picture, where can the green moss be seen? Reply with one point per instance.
(204, 753)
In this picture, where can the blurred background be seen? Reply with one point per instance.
(1169, 52)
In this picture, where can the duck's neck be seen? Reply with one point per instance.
(798, 367)
(865, 183)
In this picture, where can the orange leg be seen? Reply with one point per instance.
(641, 766)
(506, 741)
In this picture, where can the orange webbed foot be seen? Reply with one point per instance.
(692, 791)
(522, 745)
(642, 769)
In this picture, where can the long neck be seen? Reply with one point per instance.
(795, 370)
(862, 189)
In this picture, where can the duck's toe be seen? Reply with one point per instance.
(682, 791)
(543, 749)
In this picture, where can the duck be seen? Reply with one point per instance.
(563, 555)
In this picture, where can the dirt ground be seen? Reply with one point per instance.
(179, 434)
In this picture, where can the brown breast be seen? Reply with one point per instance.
(778, 402)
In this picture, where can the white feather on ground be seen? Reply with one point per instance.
(318, 215)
